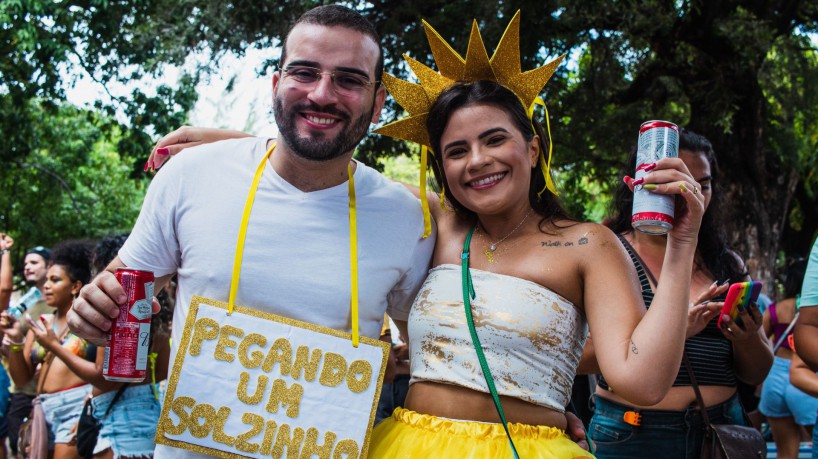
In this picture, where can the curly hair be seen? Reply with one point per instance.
(75, 257)
(713, 249)
(107, 249)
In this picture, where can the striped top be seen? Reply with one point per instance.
(710, 353)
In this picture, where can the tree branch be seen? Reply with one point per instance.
(62, 182)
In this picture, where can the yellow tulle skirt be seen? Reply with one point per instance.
(411, 435)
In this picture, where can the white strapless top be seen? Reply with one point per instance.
(531, 336)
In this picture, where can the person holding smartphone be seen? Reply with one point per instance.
(720, 356)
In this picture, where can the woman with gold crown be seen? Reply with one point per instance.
(498, 328)
(499, 325)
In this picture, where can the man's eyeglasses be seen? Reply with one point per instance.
(343, 82)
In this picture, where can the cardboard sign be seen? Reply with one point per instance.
(253, 384)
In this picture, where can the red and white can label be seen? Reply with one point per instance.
(126, 353)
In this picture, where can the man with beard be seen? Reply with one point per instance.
(296, 260)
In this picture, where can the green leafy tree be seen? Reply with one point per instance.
(740, 72)
(72, 184)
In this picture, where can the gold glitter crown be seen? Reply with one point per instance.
(503, 67)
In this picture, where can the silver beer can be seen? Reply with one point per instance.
(653, 213)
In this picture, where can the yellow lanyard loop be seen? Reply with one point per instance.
(353, 244)
(353, 258)
(424, 198)
(545, 164)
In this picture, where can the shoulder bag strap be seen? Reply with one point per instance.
(698, 392)
(116, 397)
(468, 295)
(49, 358)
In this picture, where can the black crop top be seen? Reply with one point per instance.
(710, 353)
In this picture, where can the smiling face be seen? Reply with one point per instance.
(315, 121)
(59, 289)
(486, 160)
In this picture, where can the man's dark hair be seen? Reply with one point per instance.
(338, 16)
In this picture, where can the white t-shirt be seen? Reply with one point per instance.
(296, 254)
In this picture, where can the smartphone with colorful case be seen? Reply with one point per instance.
(739, 297)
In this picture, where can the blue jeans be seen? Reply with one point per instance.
(665, 434)
(393, 395)
(62, 411)
(128, 429)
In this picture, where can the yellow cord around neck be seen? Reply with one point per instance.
(353, 244)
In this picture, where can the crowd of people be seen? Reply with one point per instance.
(499, 296)
(50, 373)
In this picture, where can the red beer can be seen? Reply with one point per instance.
(126, 352)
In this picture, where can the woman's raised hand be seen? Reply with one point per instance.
(6, 242)
(11, 327)
(670, 176)
(44, 334)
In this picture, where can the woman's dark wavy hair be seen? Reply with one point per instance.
(75, 257)
(792, 276)
(715, 253)
(463, 94)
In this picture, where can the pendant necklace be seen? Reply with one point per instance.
(489, 251)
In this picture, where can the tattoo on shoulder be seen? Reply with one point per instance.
(581, 241)
(584, 239)
(634, 349)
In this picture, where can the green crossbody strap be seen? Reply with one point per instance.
(468, 295)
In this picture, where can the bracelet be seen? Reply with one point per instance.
(16, 348)
(4, 251)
